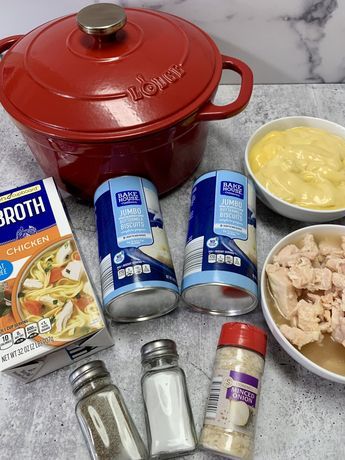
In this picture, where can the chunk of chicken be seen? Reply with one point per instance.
(307, 277)
(309, 315)
(298, 337)
(287, 256)
(31, 283)
(327, 300)
(326, 325)
(309, 248)
(64, 251)
(318, 262)
(301, 274)
(73, 271)
(322, 280)
(338, 280)
(64, 315)
(338, 326)
(330, 247)
(49, 301)
(282, 289)
(336, 264)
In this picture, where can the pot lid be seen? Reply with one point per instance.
(109, 72)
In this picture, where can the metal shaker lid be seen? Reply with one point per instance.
(87, 372)
(158, 348)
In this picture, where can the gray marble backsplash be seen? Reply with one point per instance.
(295, 41)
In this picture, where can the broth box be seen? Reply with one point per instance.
(49, 312)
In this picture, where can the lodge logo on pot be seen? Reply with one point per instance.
(153, 86)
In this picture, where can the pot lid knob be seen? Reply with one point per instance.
(101, 19)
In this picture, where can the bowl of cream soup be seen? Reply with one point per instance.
(298, 167)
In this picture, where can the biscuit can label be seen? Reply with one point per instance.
(221, 240)
(133, 247)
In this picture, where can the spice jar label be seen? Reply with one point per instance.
(232, 401)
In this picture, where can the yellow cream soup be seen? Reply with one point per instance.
(303, 166)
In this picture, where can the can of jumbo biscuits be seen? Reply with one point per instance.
(220, 265)
(137, 275)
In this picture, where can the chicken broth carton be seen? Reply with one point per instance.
(49, 312)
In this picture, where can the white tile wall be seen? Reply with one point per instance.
(283, 41)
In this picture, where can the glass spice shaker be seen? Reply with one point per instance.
(106, 424)
(169, 419)
(229, 422)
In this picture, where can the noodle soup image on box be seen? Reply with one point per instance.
(47, 303)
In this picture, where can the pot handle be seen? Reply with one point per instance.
(6, 43)
(219, 112)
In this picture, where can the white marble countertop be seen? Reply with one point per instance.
(283, 42)
(301, 416)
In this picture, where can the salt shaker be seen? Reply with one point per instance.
(169, 420)
(234, 394)
(106, 424)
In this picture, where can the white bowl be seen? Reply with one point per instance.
(283, 342)
(277, 204)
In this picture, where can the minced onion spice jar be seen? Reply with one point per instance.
(229, 422)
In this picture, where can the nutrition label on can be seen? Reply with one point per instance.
(223, 259)
(135, 270)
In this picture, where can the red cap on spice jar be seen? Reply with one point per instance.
(243, 335)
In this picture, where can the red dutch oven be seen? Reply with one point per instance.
(110, 91)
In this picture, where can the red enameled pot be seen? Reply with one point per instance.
(110, 91)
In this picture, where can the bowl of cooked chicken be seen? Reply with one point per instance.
(303, 298)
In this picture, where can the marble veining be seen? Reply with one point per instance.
(310, 27)
(284, 42)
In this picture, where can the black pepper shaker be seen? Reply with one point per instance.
(106, 424)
